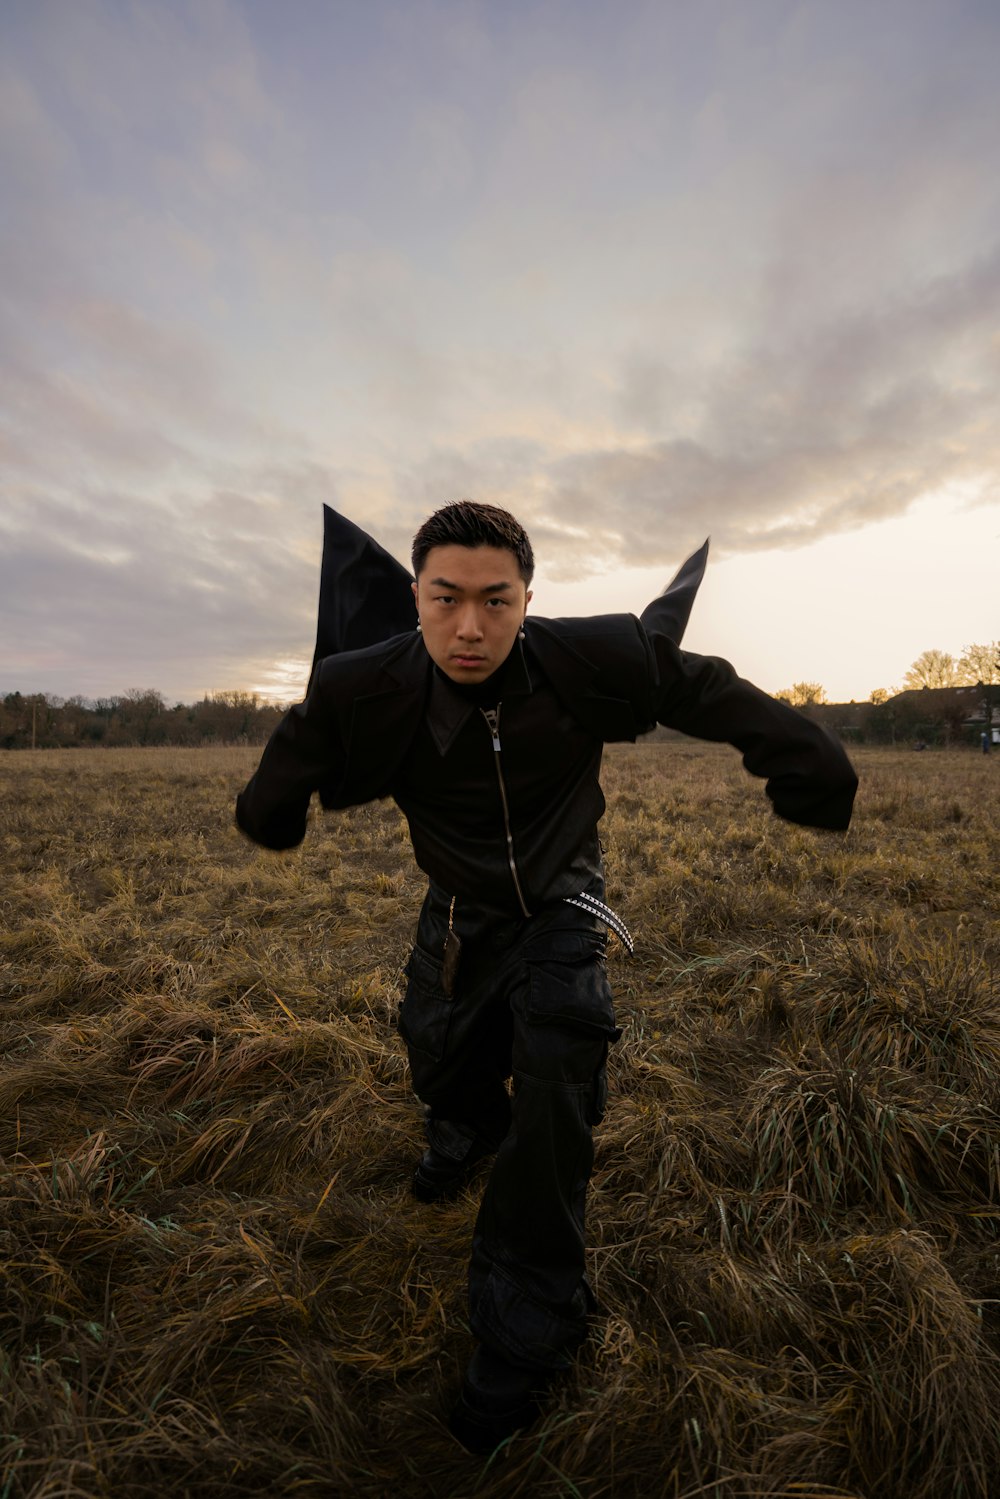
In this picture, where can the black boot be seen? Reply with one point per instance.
(439, 1178)
(496, 1400)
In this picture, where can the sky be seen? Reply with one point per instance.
(641, 273)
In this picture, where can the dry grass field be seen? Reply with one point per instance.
(216, 1283)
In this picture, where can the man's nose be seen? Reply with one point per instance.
(469, 624)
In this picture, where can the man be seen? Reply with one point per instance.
(487, 727)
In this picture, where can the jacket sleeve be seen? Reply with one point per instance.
(809, 778)
(304, 754)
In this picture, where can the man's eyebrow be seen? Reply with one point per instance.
(457, 587)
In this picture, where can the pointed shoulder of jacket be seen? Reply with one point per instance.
(599, 641)
(585, 627)
(608, 635)
(602, 669)
(400, 656)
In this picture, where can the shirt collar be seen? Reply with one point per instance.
(449, 708)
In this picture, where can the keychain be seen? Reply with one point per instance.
(452, 953)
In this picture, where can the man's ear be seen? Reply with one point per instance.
(413, 589)
(527, 598)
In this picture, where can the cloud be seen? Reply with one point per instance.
(638, 273)
(805, 434)
(115, 593)
(121, 390)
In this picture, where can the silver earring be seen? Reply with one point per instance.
(520, 634)
(419, 628)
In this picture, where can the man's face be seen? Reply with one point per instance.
(471, 602)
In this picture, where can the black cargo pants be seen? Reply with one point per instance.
(531, 1001)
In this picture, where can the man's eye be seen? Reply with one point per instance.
(501, 603)
(445, 598)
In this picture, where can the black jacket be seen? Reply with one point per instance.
(608, 678)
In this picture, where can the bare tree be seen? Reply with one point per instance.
(932, 669)
(980, 663)
(237, 697)
(802, 694)
(140, 708)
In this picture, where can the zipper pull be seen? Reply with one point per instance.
(492, 717)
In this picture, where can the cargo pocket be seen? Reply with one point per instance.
(597, 1103)
(425, 1014)
(568, 986)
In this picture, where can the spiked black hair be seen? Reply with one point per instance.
(469, 523)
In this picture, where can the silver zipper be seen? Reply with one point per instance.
(492, 717)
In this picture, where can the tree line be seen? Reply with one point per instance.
(138, 717)
(977, 664)
(142, 716)
(907, 713)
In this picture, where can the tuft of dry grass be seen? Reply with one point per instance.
(215, 1283)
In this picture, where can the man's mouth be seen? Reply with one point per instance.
(464, 659)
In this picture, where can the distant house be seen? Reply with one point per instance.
(935, 715)
(958, 708)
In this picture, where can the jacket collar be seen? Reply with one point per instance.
(449, 708)
(384, 719)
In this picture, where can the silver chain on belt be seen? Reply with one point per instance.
(603, 913)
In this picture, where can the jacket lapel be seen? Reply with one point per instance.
(580, 682)
(381, 722)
